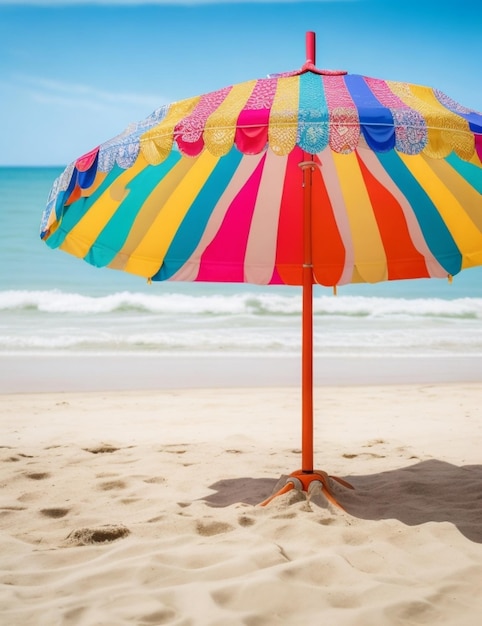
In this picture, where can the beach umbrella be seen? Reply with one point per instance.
(299, 178)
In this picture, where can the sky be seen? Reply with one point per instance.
(74, 74)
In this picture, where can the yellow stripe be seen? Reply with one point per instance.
(475, 160)
(447, 131)
(172, 199)
(283, 119)
(369, 254)
(156, 143)
(469, 198)
(149, 211)
(220, 126)
(83, 235)
(465, 233)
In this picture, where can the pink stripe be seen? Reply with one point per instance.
(384, 94)
(344, 122)
(478, 146)
(84, 162)
(223, 259)
(189, 131)
(276, 278)
(190, 270)
(252, 125)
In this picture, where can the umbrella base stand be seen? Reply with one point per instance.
(306, 481)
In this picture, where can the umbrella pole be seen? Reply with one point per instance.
(307, 326)
(307, 477)
(307, 166)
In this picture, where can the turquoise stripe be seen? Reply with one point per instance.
(194, 224)
(71, 215)
(471, 172)
(313, 131)
(113, 236)
(435, 232)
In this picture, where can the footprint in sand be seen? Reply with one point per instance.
(244, 520)
(37, 475)
(155, 480)
(104, 448)
(175, 449)
(112, 484)
(365, 455)
(212, 528)
(54, 513)
(16, 458)
(8, 510)
(101, 534)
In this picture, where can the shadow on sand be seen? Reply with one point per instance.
(430, 491)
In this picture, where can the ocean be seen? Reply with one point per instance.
(52, 303)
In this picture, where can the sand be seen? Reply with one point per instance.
(142, 507)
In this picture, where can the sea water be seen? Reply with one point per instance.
(52, 303)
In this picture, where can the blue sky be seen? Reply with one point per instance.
(74, 74)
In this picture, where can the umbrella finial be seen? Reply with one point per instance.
(311, 47)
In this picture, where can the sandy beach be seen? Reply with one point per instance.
(138, 506)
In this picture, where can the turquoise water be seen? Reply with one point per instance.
(52, 302)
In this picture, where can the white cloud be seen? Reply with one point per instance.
(44, 90)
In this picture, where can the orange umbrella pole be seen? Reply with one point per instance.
(307, 325)
(307, 373)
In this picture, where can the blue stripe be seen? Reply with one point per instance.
(85, 179)
(434, 230)
(376, 120)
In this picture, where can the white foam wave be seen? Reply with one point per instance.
(238, 304)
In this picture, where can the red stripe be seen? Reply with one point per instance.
(289, 253)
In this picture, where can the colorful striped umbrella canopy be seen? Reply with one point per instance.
(301, 178)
